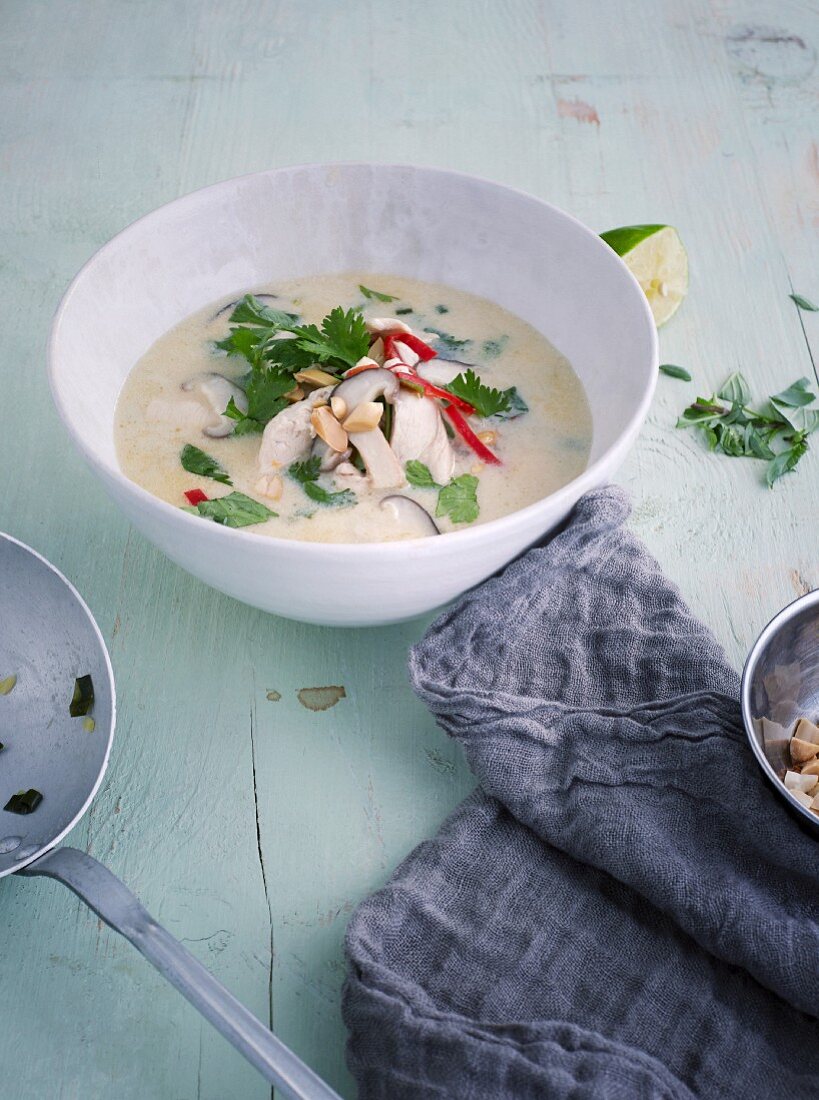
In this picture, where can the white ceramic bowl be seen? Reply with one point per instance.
(436, 225)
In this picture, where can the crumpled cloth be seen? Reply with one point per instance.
(622, 909)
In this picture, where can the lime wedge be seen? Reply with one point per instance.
(655, 256)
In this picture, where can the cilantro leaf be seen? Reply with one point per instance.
(265, 389)
(343, 337)
(235, 510)
(377, 295)
(517, 406)
(250, 311)
(804, 303)
(305, 471)
(419, 475)
(484, 400)
(459, 499)
(675, 372)
(196, 461)
(323, 496)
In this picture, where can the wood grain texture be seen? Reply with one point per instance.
(252, 827)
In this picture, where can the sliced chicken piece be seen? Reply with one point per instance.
(289, 435)
(418, 432)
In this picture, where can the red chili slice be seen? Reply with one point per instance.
(434, 391)
(419, 346)
(195, 496)
(469, 437)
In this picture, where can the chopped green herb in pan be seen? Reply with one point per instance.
(83, 698)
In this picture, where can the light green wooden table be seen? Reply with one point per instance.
(250, 827)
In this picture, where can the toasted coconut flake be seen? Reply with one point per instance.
(804, 799)
(807, 731)
(811, 769)
(801, 751)
(795, 781)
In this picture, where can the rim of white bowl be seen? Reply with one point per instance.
(585, 480)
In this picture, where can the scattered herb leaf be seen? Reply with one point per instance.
(83, 698)
(777, 433)
(250, 311)
(419, 475)
(235, 510)
(483, 399)
(377, 294)
(459, 499)
(7, 685)
(517, 406)
(491, 349)
(323, 496)
(675, 372)
(24, 802)
(89, 725)
(306, 471)
(403, 311)
(442, 309)
(447, 345)
(196, 461)
(804, 303)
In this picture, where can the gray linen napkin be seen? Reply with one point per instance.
(622, 909)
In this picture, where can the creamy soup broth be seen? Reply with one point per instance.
(540, 450)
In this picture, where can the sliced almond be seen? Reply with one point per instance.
(339, 407)
(295, 394)
(811, 769)
(315, 377)
(807, 731)
(270, 485)
(364, 417)
(488, 438)
(328, 428)
(379, 325)
(802, 750)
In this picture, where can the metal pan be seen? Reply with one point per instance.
(48, 638)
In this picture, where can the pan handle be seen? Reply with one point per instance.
(110, 899)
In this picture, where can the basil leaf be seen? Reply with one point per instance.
(785, 462)
(459, 499)
(796, 395)
(675, 372)
(447, 346)
(735, 390)
(804, 303)
(235, 510)
(196, 461)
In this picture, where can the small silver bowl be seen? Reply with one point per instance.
(780, 683)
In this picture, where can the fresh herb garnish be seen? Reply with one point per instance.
(675, 372)
(277, 347)
(324, 496)
(442, 309)
(234, 510)
(196, 461)
(804, 303)
(458, 499)
(24, 802)
(517, 406)
(419, 475)
(447, 345)
(83, 698)
(403, 311)
(377, 294)
(777, 433)
(483, 399)
(491, 349)
(307, 472)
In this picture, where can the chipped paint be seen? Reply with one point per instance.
(579, 110)
(770, 54)
(321, 698)
(273, 696)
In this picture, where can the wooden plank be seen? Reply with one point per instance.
(252, 827)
